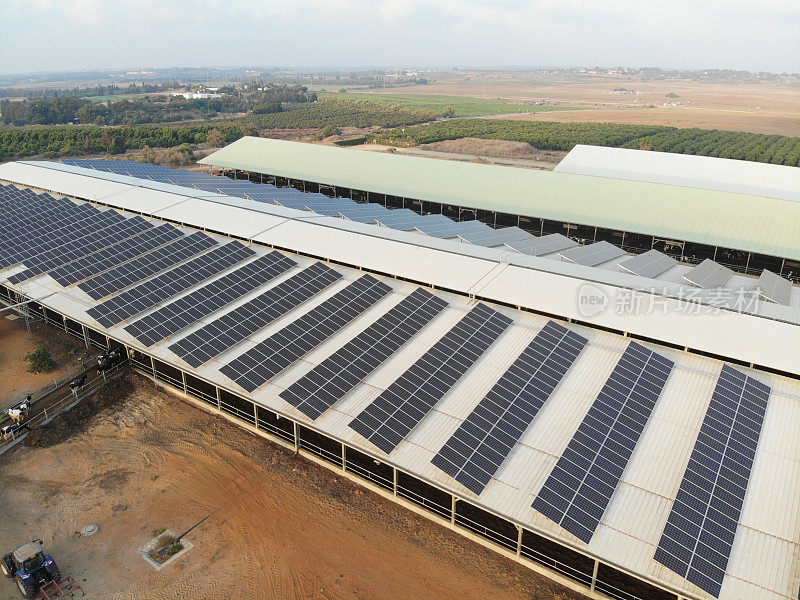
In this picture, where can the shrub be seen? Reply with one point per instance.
(41, 361)
(174, 548)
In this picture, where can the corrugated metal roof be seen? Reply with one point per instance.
(741, 221)
(763, 563)
(533, 282)
(705, 172)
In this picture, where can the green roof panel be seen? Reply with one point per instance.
(739, 221)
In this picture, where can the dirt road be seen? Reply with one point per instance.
(286, 528)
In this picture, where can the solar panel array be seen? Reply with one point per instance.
(263, 361)
(546, 244)
(593, 254)
(75, 225)
(474, 453)
(709, 274)
(698, 537)
(649, 264)
(92, 242)
(580, 487)
(146, 295)
(231, 328)
(334, 377)
(161, 259)
(434, 225)
(189, 309)
(393, 414)
(114, 255)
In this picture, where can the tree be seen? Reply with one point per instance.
(328, 131)
(117, 145)
(449, 112)
(108, 139)
(41, 361)
(215, 138)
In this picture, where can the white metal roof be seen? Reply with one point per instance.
(763, 563)
(531, 282)
(705, 172)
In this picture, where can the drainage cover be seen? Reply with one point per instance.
(89, 530)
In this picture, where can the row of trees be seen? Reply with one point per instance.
(53, 142)
(755, 147)
(57, 141)
(265, 99)
(342, 113)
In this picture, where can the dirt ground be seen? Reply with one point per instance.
(16, 342)
(764, 107)
(136, 459)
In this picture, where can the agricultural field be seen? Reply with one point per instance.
(756, 107)
(463, 106)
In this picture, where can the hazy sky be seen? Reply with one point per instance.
(38, 35)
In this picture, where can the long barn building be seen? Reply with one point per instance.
(624, 422)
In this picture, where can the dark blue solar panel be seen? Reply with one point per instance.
(232, 328)
(482, 442)
(401, 407)
(189, 309)
(334, 377)
(698, 537)
(580, 487)
(173, 282)
(265, 360)
(138, 269)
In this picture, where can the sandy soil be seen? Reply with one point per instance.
(757, 107)
(16, 342)
(286, 528)
(703, 118)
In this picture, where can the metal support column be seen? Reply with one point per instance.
(519, 540)
(394, 480)
(296, 437)
(183, 379)
(344, 460)
(219, 400)
(594, 575)
(85, 336)
(453, 511)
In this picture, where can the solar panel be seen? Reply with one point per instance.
(334, 377)
(593, 254)
(650, 264)
(189, 309)
(225, 332)
(151, 292)
(91, 243)
(114, 255)
(698, 537)
(546, 244)
(775, 288)
(580, 487)
(403, 219)
(496, 237)
(474, 453)
(400, 408)
(709, 274)
(131, 273)
(57, 234)
(263, 361)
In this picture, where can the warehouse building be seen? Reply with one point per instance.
(586, 418)
(634, 213)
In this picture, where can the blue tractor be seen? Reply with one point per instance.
(30, 567)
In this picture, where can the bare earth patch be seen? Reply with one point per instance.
(286, 527)
(16, 342)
